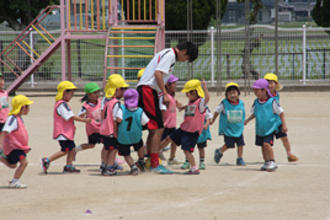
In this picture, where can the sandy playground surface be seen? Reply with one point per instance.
(295, 191)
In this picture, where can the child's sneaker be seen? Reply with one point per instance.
(173, 162)
(161, 170)
(45, 164)
(134, 171)
(202, 166)
(190, 172)
(109, 172)
(116, 166)
(102, 166)
(292, 158)
(271, 166)
(217, 155)
(17, 185)
(140, 165)
(70, 169)
(2, 154)
(264, 167)
(185, 165)
(240, 162)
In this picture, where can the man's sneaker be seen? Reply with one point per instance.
(173, 162)
(140, 165)
(190, 172)
(240, 162)
(271, 166)
(202, 166)
(70, 169)
(109, 172)
(45, 164)
(185, 165)
(292, 158)
(17, 185)
(217, 155)
(264, 167)
(161, 170)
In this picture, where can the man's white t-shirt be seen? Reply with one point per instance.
(164, 62)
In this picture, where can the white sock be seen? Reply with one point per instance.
(78, 148)
(14, 180)
(194, 168)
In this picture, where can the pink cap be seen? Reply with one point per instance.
(262, 84)
(172, 79)
(131, 98)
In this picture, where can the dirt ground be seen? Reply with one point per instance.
(295, 191)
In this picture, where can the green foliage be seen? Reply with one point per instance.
(19, 13)
(203, 11)
(255, 5)
(321, 13)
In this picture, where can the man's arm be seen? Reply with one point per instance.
(161, 85)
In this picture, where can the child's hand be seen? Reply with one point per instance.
(166, 99)
(284, 129)
(246, 122)
(88, 120)
(182, 107)
(203, 84)
(205, 127)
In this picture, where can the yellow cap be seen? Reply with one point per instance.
(231, 84)
(18, 102)
(194, 84)
(140, 73)
(114, 82)
(61, 87)
(273, 77)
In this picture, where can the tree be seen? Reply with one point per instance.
(321, 13)
(19, 13)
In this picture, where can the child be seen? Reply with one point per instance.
(3, 102)
(91, 109)
(14, 139)
(274, 86)
(231, 123)
(140, 73)
(130, 120)
(169, 115)
(265, 109)
(64, 128)
(192, 126)
(116, 86)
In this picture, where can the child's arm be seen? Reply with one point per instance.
(2, 137)
(207, 123)
(249, 119)
(284, 127)
(179, 106)
(206, 91)
(77, 118)
(216, 114)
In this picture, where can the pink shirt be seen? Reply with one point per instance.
(4, 106)
(107, 124)
(93, 112)
(193, 118)
(62, 126)
(170, 113)
(17, 139)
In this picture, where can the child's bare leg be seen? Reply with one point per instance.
(267, 152)
(240, 151)
(84, 147)
(165, 142)
(56, 155)
(129, 160)
(103, 154)
(223, 148)
(112, 157)
(190, 158)
(70, 157)
(173, 150)
(20, 169)
(140, 153)
(5, 162)
(201, 151)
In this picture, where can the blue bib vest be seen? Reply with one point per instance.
(231, 122)
(205, 135)
(130, 128)
(266, 120)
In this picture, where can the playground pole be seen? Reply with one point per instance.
(63, 57)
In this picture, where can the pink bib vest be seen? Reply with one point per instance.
(4, 106)
(107, 124)
(93, 112)
(193, 119)
(170, 114)
(61, 126)
(18, 139)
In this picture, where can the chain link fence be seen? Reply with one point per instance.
(298, 59)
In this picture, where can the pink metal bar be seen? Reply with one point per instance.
(127, 10)
(106, 57)
(139, 9)
(62, 39)
(150, 9)
(69, 59)
(98, 9)
(85, 37)
(75, 14)
(10, 69)
(86, 14)
(13, 63)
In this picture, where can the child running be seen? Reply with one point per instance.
(64, 128)
(169, 115)
(266, 109)
(130, 119)
(91, 108)
(4, 104)
(231, 123)
(14, 140)
(274, 87)
(192, 126)
(115, 88)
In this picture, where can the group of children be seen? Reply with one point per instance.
(119, 126)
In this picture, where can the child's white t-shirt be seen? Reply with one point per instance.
(10, 125)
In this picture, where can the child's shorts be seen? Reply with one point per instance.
(167, 132)
(94, 138)
(280, 133)
(231, 141)
(187, 140)
(125, 149)
(1, 126)
(15, 156)
(67, 145)
(265, 139)
(110, 143)
(202, 145)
